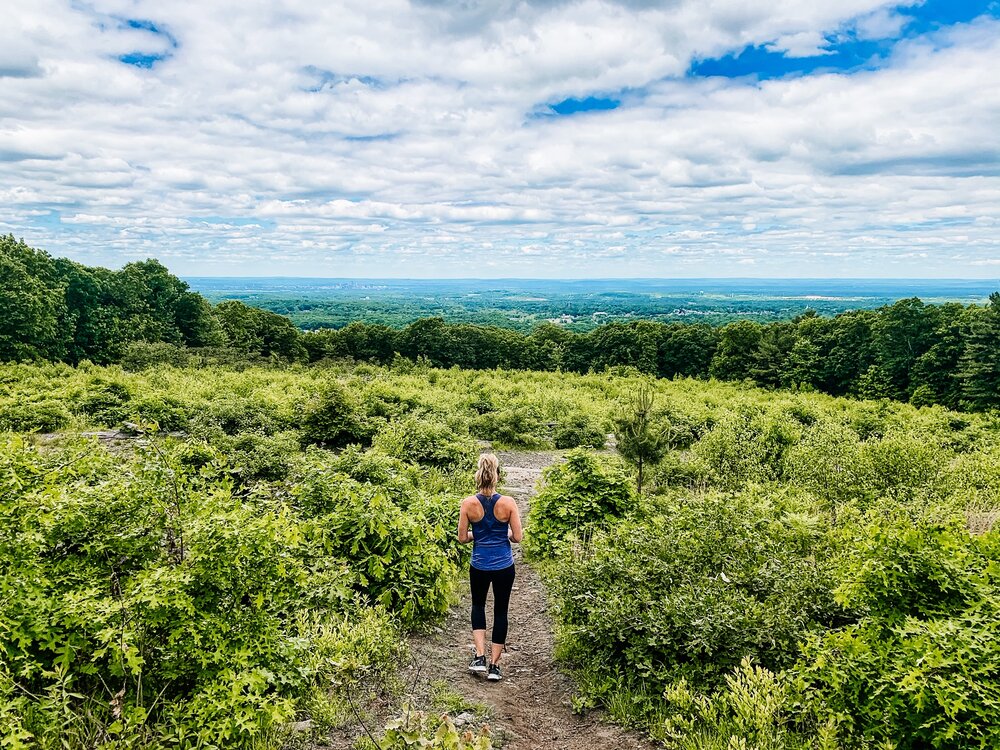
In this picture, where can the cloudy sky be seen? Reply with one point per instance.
(479, 138)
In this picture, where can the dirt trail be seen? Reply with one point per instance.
(531, 706)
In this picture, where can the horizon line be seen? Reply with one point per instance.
(603, 278)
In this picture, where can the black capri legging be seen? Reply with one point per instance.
(503, 582)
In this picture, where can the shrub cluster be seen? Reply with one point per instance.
(578, 496)
(800, 576)
(146, 605)
(798, 571)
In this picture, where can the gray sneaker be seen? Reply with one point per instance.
(494, 673)
(478, 665)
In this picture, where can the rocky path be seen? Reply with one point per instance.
(531, 707)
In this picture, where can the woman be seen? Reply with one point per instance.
(495, 522)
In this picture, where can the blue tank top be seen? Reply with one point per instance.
(490, 545)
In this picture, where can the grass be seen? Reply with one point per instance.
(444, 698)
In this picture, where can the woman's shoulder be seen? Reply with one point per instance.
(506, 500)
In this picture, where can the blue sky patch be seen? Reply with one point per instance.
(845, 52)
(141, 59)
(936, 14)
(765, 63)
(147, 60)
(143, 25)
(588, 104)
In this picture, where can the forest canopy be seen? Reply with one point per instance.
(59, 310)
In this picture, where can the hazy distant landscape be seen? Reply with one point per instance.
(521, 304)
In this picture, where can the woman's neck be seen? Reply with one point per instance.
(488, 491)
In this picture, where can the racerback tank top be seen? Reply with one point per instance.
(490, 545)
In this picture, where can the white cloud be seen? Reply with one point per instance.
(879, 24)
(380, 133)
(801, 44)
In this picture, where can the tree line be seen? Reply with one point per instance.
(949, 354)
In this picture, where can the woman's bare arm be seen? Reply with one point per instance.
(464, 534)
(516, 533)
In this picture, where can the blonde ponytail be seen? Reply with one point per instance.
(488, 473)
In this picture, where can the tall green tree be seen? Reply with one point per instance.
(32, 304)
(426, 338)
(687, 349)
(802, 367)
(980, 365)
(259, 332)
(545, 348)
(902, 333)
(738, 342)
(769, 363)
(633, 344)
(370, 342)
(850, 351)
(196, 322)
(92, 315)
(937, 372)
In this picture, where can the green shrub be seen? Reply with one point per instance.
(513, 427)
(747, 445)
(974, 480)
(332, 419)
(482, 402)
(168, 412)
(870, 420)
(252, 457)
(681, 429)
(922, 683)
(145, 606)
(750, 711)
(680, 469)
(371, 466)
(923, 395)
(417, 729)
(381, 400)
(398, 559)
(424, 441)
(238, 708)
(105, 402)
(578, 430)
(353, 657)
(232, 414)
(902, 466)
(13, 706)
(896, 564)
(827, 461)
(688, 593)
(920, 667)
(107, 583)
(579, 495)
(142, 355)
(32, 416)
(839, 468)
